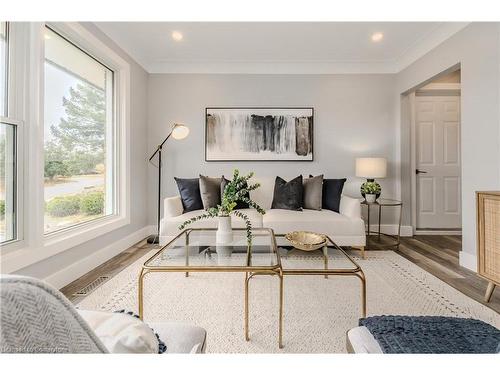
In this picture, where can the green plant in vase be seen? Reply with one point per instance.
(235, 191)
(370, 190)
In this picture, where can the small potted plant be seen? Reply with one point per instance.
(235, 191)
(370, 189)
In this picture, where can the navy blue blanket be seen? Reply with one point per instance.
(432, 334)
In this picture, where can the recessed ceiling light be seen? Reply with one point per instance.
(46, 36)
(377, 37)
(177, 35)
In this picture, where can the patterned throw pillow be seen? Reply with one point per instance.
(123, 332)
(162, 348)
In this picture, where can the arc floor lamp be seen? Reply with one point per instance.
(178, 131)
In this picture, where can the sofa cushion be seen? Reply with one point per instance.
(313, 192)
(210, 191)
(172, 224)
(288, 195)
(324, 221)
(189, 190)
(332, 192)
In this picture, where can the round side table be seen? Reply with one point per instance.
(383, 202)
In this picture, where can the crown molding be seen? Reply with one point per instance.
(428, 43)
(271, 67)
(415, 51)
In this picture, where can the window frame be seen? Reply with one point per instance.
(110, 157)
(15, 79)
(17, 199)
(29, 99)
(7, 71)
(87, 42)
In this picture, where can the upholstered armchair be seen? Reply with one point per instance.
(36, 318)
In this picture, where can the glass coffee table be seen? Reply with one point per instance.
(195, 250)
(330, 260)
(334, 262)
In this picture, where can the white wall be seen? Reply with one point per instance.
(476, 49)
(354, 116)
(69, 265)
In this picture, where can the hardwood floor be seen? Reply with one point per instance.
(109, 269)
(437, 255)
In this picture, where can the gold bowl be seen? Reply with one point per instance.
(307, 241)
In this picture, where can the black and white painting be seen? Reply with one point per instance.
(269, 134)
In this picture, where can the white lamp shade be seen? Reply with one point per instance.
(180, 131)
(371, 167)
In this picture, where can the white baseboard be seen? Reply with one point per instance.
(438, 232)
(406, 230)
(65, 276)
(468, 260)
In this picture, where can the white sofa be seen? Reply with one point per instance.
(346, 227)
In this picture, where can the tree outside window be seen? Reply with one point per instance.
(78, 108)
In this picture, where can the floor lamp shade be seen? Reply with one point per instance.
(180, 131)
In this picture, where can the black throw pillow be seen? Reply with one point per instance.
(332, 191)
(239, 205)
(288, 195)
(189, 189)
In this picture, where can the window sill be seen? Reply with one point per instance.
(59, 242)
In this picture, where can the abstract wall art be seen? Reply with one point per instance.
(265, 134)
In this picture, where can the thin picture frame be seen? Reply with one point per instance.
(258, 160)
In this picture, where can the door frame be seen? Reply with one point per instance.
(433, 89)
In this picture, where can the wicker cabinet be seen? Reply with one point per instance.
(488, 238)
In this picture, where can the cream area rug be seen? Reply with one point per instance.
(317, 311)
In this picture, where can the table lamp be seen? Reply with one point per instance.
(371, 168)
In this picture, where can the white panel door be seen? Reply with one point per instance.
(437, 147)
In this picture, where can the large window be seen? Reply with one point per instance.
(64, 165)
(78, 136)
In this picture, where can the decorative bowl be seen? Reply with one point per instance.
(307, 241)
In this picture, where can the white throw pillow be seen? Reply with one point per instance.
(121, 333)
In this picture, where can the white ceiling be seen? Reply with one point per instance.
(274, 47)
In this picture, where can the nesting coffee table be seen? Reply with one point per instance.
(194, 250)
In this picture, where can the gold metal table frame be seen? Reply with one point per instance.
(252, 271)
(383, 202)
(356, 271)
(273, 270)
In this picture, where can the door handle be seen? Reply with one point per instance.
(418, 171)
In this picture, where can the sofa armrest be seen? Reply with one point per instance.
(172, 207)
(350, 207)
